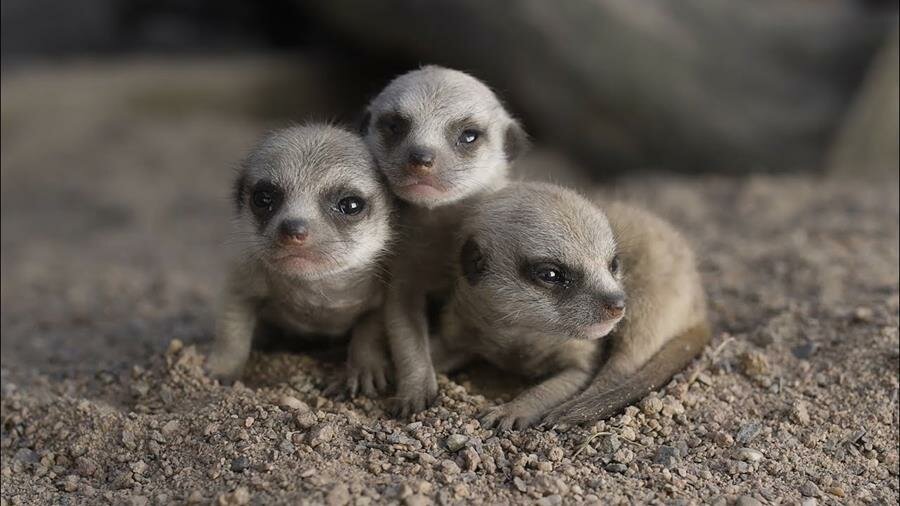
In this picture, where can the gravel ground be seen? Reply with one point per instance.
(114, 224)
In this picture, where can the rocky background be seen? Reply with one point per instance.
(121, 124)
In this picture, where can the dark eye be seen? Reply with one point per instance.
(551, 275)
(351, 206)
(614, 264)
(266, 197)
(393, 126)
(468, 136)
(263, 199)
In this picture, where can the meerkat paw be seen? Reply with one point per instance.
(225, 367)
(370, 377)
(556, 415)
(413, 397)
(508, 416)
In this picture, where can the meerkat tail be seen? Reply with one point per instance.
(606, 397)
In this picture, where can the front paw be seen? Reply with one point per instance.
(508, 416)
(414, 396)
(370, 376)
(225, 367)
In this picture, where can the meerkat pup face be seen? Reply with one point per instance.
(440, 135)
(311, 202)
(541, 258)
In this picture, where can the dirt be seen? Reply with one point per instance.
(114, 232)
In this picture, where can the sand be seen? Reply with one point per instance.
(115, 219)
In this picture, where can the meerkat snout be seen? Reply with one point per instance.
(613, 305)
(420, 159)
(293, 231)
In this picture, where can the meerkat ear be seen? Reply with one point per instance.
(473, 261)
(363, 125)
(515, 141)
(239, 191)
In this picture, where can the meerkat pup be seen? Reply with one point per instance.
(602, 307)
(441, 137)
(313, 221)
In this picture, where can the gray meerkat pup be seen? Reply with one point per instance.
(313, 223)
(603, 306)
(441, 137)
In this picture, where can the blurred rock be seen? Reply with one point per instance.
(696, 85)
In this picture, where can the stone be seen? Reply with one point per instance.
(240, 464)
(293, 403)
(799, 413)
(747, 500)
(748, 455)
(667, 456)
(339, 495)
(455, 442)
(319, 434)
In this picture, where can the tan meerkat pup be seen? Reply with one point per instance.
(314, 221)
(602, 307)
(441, 137)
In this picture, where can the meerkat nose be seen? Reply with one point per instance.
(420, 157)
(293, 231)
(614, 305)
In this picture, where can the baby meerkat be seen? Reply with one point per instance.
(604, 307)
(441, 137)
(313, 221)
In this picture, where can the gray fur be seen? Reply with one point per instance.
(328, 285)
(564, 334)
(425, 113)
(439, 104)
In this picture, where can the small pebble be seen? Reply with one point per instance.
(550, 500)
(748, 432)
(799, 413)
(455, 442)
(555, 454)
(753, 364)
(615, 467)
(749, 455)
(609, 443)
(416, 500)
(240, 464)
(449, 467)
(519, 484)
(810, 489)
(667, 456)
(306, 419)
(170, 428)
(293, 403)
(651, 405)
(863, 314)
(836, 491)
(339, 495)
(747, 500)
(321, 433)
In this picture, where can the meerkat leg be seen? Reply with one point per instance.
(407, 331)
(234, 336)
(620, 383)
(368, 363)
(530, 406)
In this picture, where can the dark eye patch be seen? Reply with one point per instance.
(465, 136)
(346, 205)
(265, 199)
(615, 264)
(549, 273)
(393, 127)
